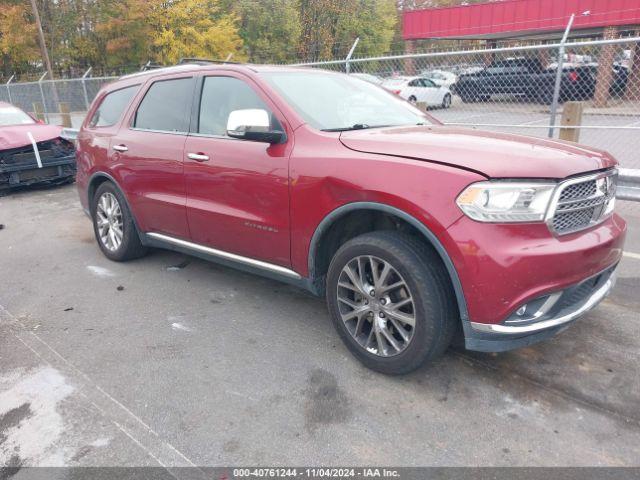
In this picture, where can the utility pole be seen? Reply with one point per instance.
(43, 50)
(43, 45)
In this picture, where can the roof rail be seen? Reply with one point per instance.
(150, 66)
(203, 61)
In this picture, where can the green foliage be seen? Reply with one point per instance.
(270, 29)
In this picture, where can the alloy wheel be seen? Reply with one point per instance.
(109, 221)
(376, 305)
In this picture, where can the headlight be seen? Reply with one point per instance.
(504, 201)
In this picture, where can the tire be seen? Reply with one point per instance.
(426, 295)
(446, 101)
(108, 198)
(412, 100)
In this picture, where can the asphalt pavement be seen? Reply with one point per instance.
(173, 361)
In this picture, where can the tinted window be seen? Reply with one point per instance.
(428, 83)
(112, 106)
(166, 106)
(221, 96)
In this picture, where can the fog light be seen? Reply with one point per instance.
(521, 311)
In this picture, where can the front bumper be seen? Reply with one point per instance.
(48, 161)
(570, 304)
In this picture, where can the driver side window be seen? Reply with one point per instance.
(220, 97)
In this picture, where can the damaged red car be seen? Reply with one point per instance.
(32, 152)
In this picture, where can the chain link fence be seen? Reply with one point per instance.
(45, 96)
(585, 91)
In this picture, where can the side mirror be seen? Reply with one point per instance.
(253, 124)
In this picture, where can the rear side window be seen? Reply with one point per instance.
(112, 106)
(166, 106)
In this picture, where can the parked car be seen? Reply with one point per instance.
(414, 232)
(32, 152)
(527, 78)
(419, 89)
(367, 77)
(441, 77)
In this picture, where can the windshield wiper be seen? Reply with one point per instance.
(357, 126)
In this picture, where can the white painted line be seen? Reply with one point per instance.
(635, 256)
(35, 149)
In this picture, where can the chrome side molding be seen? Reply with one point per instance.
(226, 255)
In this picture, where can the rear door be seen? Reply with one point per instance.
(148, 153)
(237, 190)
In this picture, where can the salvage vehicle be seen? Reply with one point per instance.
(32, 152)
(415, 232)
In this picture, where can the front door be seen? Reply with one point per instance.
(237, 190)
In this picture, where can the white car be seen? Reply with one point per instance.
(420, 89)
(441, 77)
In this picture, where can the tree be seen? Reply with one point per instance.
(123, 33)
(374, 22)
(193, 28)
(329, 27)
(18, 47)
(270, 29)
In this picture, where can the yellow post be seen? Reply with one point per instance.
(65, 115)
(38, 111)
(571, 117)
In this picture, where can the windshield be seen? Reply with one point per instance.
(14, 116)
(334, 101)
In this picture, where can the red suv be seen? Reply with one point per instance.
(411, 229)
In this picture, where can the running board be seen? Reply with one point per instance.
(250, 262)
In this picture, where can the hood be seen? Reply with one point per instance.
(15, 136)
(495, 155)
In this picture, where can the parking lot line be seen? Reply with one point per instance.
(635, 256)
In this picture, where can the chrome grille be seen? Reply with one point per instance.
(581, 203)
(579, 190)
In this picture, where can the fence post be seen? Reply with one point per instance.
(84, 87)
(571, 117)
(8, 89)
(556, 88)
(44, 100)
(347, 67)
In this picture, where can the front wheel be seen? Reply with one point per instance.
(113, 225)
(391, 301)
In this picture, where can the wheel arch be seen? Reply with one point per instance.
(97, 179)
(335, 216)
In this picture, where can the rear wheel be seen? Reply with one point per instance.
(391, 301)
(412, 100)
(113, 225)
(446, 101)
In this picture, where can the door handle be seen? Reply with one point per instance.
(120, 148)
(198, 157)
